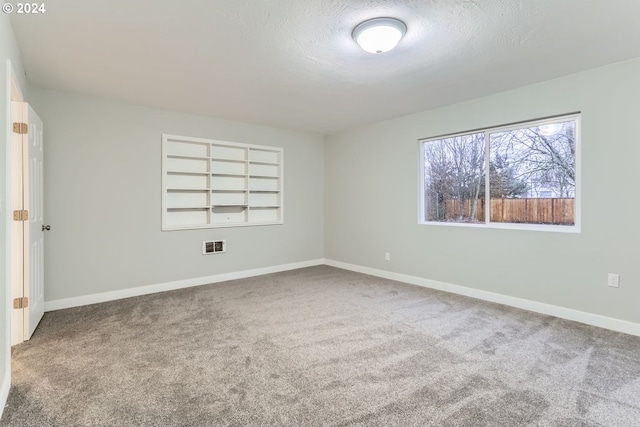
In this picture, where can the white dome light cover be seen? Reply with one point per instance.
(379, 35)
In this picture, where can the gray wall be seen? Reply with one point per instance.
(371, 204)
(103, 196)
(8, 51)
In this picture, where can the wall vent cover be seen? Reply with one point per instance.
(214, 247)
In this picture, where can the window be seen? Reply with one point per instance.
(208, 183)
(524, 174)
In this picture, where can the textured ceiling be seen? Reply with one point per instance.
(292, 63)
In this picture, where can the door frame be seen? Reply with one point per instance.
(18, 200)
(14, 93)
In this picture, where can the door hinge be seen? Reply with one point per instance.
(21, 215)
(20, 128)
(21, 302)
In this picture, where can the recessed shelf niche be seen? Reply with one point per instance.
(208, 183)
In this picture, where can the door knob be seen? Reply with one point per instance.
(46, 227)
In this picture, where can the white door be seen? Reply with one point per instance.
(27, 253)
(34, 204)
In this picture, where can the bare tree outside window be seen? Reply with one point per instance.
(454, 177)
(542, 164)
(531, 175)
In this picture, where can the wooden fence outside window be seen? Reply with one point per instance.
(529, 211)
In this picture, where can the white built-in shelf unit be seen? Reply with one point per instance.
(208, 183)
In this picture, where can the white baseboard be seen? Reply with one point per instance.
(538, 307)
(4, 389)
(169, 286)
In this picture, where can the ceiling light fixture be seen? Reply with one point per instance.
(379, 35)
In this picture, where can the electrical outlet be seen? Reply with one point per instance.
(613, 280)
(387, 256)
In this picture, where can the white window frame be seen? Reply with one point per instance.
(575, 228)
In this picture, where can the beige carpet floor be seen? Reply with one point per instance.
(320, 346)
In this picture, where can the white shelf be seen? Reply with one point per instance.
(264, 163)
(183, 156)
(230, 160)
(187, 173)
(208, 183)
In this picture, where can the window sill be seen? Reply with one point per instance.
(575, 229)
